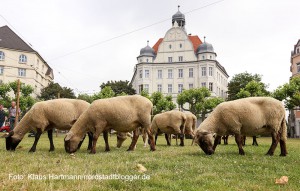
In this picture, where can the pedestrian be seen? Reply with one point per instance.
(12, 114)
(2, 116)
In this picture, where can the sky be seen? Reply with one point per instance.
(88, 42)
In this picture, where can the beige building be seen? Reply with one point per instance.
(294, 117)
(19, 61)
(179, 61)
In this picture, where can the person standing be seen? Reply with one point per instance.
(2, 115)
(12, 114)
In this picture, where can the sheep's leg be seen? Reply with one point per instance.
(105, 137)
(50, 136)
(217, 141)
(134, 139)
(90, 135)
(156, 135)
(145, 137)
(275, 140)
(176, 138)
(238, 140)
(283, 151)
(181, 137)
(95, 138)
(167, 139)
(243, 140)
(254, 141)
(36, 139)
(80, 143)
(150, 138)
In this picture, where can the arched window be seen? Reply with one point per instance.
(2, 55)
(170, 46)
(180, 45)
(22, 58)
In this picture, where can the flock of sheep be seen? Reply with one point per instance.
(244, 117)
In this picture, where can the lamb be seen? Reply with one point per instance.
(123, 114)
(45, 116)
(249, 116)
(170, 122)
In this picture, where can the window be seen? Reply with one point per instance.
(298, 67)
(159, 74)
(191, 86)
(170, 59)
(180, 45)
(2, 55)
(37, 63)
(170, 46)
(146, 88)
(170, 88)
(141, 60)
(146, 73)
(297, 50)
(180, 73)
(22, 72)
(147, 60)
(180, 88)
(210, 57)
(140, 88)
(170, 73)
(222, 93)
(203, 71)
(203, 84)
(159, 87)
(210, 71)
(210, 87)
(191, 72)
(141, 73)
(1, 70)
(180, 58)
(203, 57)
(22, 58)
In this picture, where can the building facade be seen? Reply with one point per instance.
(19, 61)
(179, 61)
(294, 117)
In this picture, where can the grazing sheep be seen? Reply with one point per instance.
(249, 116)
(170, 122)
(45, 116)
(123, 114)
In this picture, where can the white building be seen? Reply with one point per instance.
(179, 61)
(19, 61)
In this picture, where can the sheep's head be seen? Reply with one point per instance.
(11, 142)
(205, 141)
(121, 137)
(71, 142)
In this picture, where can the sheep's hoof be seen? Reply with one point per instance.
(32, 150)
(242, 153)
(182, 145)
(107, 150)
(92, 152)
(152, 149)
(282, 154)
(129, 149)
(270, 154)
(51, 149)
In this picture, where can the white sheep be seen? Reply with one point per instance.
(249, 116)
(170, 122)
(123, 114)
(45, 116)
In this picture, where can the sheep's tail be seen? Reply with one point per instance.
(283, 130)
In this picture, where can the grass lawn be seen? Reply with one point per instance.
(169, 168)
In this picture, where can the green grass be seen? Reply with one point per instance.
(169, 168)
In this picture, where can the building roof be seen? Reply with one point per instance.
(194, 39)
(10, 40)
(205, 47)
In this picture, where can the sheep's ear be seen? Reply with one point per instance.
(11, 133)
(69, 135)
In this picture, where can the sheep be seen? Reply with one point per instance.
(123, 114)
(170, 122)
(249, 116)
(45, 116)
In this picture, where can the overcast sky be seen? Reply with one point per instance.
(247, 35)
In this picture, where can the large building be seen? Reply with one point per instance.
(19, 61)
(179, 61)
(294, 117)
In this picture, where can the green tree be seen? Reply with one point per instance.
(106, 92)
(199, 101)
(52, 91)
(5, 98)
(85, 97)
(239, 81)
(119, 87)
(289, 92)
(161, 103)
(253, 89)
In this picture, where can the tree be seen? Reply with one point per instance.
(161, 103)
(119, 87)
(52, 91)
(290, 93)
(86, 97)
(106, 92)
(199, 101)
(252, 89)
(5, 98)
(240, 81)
